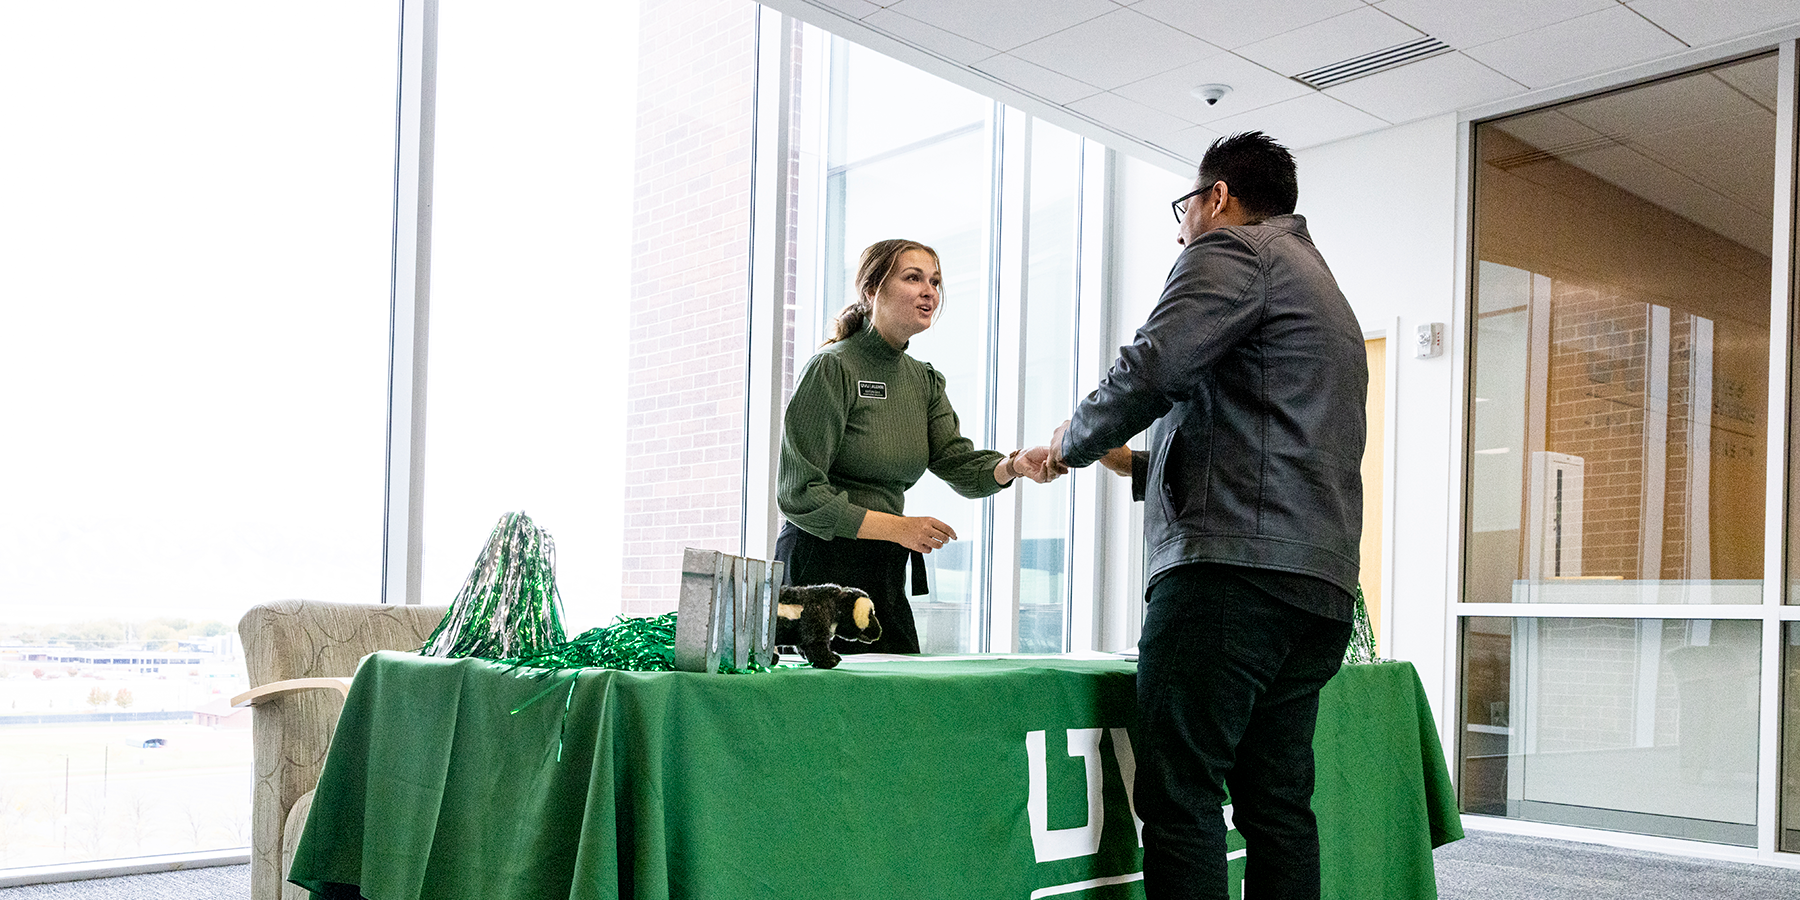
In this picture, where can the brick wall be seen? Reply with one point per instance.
(1596, 411)
(689, 292)
(1598, 404)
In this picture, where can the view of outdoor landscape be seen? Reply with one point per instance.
(118, 739)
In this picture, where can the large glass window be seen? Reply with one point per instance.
(195, 222)
(911, 155)
(531, 266)
(1641, 725)
(1621, 346)
(1618, 429)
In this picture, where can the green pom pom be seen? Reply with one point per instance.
(508, 606)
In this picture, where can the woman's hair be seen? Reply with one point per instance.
(877, 264)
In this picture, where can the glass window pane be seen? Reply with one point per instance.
(922, 171)
(531, 266)
(1621, 345)
(1052, 249)
(195, 231)
(1639, 725)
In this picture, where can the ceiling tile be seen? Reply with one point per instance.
(1003, 24)
(1674, 191)
(1758, 78)
(1470, 23)
(1128, 116)
(1429, 87)
(855, 9)
(1252, 86)
(1303, 122)
(1116, 49)
(1189, 144)
(1708, 23)
(928, 37)
(1547, 129)
(1662, 106)
(1226, 24)
(1352, 34)
(1035, 79)
(1596, 42)
(1735, 157)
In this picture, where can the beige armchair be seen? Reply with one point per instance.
(301, 655)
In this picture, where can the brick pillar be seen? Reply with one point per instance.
(689, 291)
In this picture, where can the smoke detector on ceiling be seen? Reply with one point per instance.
(1211, 93)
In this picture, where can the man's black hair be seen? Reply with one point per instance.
(1259, 172)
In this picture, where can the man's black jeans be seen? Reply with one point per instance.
(1228, 691)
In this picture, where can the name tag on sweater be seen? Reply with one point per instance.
(872, 390)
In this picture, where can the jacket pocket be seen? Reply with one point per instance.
(1182, 482)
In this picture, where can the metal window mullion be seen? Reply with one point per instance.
(1739, 611)
(1008, 312)
(1775, 529)
(409, 303)
(770, 215)
(1462, 311)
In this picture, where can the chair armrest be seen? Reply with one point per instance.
(264, 693)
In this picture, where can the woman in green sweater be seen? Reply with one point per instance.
(864, 423)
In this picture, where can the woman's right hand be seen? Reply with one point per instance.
(918, 533)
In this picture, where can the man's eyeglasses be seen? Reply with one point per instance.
(1179, 204)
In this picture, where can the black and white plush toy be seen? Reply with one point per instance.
(809, 616)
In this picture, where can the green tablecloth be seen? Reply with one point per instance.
(879, 779)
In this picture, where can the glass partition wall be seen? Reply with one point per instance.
(1617, 433)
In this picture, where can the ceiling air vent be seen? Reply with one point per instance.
(1369, 63)
(1563, 151)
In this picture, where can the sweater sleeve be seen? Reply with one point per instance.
(954, 457)
(812, 431)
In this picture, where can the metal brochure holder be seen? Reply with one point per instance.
(727, 610)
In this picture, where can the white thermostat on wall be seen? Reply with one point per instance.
(1431, 340)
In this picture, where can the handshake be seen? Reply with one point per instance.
(1044, 464)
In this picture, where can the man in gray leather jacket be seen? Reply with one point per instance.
(1252, 369)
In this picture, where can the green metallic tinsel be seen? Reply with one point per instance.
(633, 645)
(508, 606)
(1362, 635)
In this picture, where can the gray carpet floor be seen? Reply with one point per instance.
(1482, 866)
(1489, 866)
(215, 883)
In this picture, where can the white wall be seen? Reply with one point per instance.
(1382, 210)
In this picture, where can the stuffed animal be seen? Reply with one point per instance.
(809, 616)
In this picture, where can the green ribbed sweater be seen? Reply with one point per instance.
(846, 450)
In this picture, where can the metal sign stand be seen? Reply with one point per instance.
(727, 611)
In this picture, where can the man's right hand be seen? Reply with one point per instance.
(1055, 465)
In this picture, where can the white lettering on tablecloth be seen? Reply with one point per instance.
(1080, 840)
(1049, 844)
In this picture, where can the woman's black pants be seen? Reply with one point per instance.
(877, 567)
